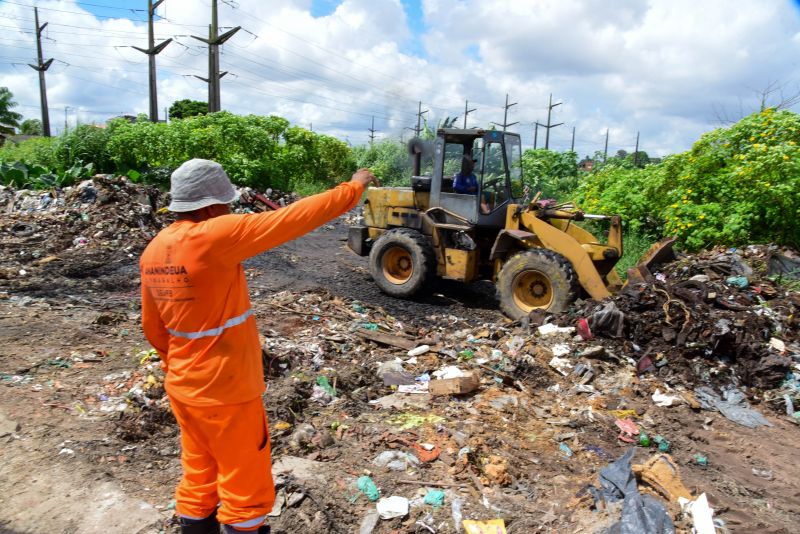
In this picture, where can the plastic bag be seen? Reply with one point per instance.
(640, 513)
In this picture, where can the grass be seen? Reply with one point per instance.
(633, 245)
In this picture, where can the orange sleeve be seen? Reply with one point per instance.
(154, 329)
(238, 237)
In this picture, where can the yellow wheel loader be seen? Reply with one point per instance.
(534, 252)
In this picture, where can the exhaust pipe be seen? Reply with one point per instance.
(416, 147)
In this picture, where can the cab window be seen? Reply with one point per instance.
(493, 180)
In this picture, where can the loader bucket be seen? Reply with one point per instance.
(659, 253)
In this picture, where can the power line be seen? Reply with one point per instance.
(80, 4)
(283, 69)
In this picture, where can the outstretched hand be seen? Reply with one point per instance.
(365, 178)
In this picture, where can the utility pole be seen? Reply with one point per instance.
(372, 132)
(636, 151)
(535, 133)
(550, 107)
(572, 146)
(214, 75)
(605, 150)
(152, 51)
(41, 66)
(420, 113)
(505, 115)
(467, 111)
(65, 119)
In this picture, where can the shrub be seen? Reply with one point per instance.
(736, 185)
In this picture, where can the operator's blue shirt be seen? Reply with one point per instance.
(462, 184)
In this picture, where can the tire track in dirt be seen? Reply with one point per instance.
(321, 260)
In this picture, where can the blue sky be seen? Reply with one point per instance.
(650, 66)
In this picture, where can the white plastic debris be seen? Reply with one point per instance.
(562, 365)
(777, 344)
(550, 329)
(702, 514)
(450, 371)
(391, 507)
(561, 349)
(421, 387)
(396, 460)
(418, 351)
(660, 399)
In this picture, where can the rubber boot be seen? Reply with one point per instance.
(208, 525)
(263, 529)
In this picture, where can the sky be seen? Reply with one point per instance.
(668, 70)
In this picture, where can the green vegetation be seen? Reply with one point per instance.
(555, 174)
(181, 109)
(256, 151)
(9, 120)
(388, 160)
(31, 127)
(736, 185)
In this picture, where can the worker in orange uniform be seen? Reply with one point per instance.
(196, 313)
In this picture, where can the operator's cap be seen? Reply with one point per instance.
(198, 183)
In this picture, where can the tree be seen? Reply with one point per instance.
(31, 127)
(181, 109)
(774, 95)
(553, 173)
(9, 120)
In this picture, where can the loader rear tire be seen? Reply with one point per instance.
(536, 279)
(402, 262)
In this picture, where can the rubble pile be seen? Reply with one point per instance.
(714, 318)
(77, 233)
(605, 418)
(64, 237)
(443, 426)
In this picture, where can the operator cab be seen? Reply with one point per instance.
(497, 160)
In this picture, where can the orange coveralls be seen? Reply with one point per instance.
(196, 313)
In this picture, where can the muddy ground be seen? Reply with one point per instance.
(68, 466)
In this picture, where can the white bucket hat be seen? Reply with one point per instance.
(199, 183)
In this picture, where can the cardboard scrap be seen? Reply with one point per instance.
(493, 526)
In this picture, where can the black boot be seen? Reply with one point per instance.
(208, 525)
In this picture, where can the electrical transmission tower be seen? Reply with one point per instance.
(550, 107)
(152, 51)
(214, 75)
(505, 115)
(41, 66)
(420, 113)
(467, 111)
(372, 131)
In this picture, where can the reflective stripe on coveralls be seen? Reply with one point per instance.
(230, 323)
(258, 521)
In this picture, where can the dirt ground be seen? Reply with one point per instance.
(74, 461)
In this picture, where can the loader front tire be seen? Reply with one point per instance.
(536, 279)
(402, 262)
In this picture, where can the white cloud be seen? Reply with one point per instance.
(658, 67)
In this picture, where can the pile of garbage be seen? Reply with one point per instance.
(76, 233)
(59, 238)
(718, 318)
(443, 426)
